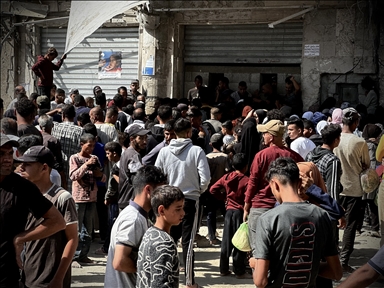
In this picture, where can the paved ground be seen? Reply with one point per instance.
(207, 266)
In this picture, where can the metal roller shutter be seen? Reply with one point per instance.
(243, 44)
(80, 69)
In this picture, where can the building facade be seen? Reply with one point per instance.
(329, 46)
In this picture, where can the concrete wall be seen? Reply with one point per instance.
(346, 51)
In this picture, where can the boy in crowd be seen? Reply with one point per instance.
(129, 228)
(299, 144)
(187, 167)
(59, 98)
(48, 261)
(113, 151)
(158, 262)
(292, 238)
(218, 166)
(235, 185)
(84, 171)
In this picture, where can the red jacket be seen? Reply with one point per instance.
(259, 192)
(43, 69)
(234, 184)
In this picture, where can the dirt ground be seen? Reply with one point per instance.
(207, 265)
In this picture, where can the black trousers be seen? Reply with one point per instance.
(373, 214)
(187, 230)
(102, 212)
(45, 90)
(352, 208)
(233, 220)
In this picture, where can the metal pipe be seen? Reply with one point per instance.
(40, 21)
(229, 8)
(272, 25)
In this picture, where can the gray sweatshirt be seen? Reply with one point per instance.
(186, 167)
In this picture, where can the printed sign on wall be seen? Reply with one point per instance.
(110, 64)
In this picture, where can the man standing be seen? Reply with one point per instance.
(195, 91)
(299, 144)
(327, 162)
(48, 261)
(18, 197)
(129, 228)
(123, 119)
(241, 93)
(25, 115)
(130, 162)
(292, 238)
(105, 131)
(259, 197)
(46, 125)
(293, 95)
(68, 135)
(134, 92)
(187, 168)
(354, 157)
(44, 70)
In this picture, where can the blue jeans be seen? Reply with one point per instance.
(85, 214)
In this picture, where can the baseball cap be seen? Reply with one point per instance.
(350, 113)
(41, 100)
(273, 127)
(137, 130)
(5, 140)
(38, 154)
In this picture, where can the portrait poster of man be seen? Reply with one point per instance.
(110, 64)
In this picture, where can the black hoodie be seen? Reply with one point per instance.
(330, 169)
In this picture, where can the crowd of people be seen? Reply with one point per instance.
(70, 164)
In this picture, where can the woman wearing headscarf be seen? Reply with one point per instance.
(261, 114)
(370, 134)
(337, 117)
(321, 125)
(308, 115)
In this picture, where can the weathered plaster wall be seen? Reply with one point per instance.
(346, 46)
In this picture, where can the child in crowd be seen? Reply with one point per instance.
(227, 131)
(84, 171)
(90, 102)
(234, 185)
(158, 262)
(218, 166)
(113, 151)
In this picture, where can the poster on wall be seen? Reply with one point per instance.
(110, 64)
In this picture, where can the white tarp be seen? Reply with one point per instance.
(86, 17)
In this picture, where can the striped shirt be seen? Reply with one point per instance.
(69, 136)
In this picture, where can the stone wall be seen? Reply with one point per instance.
(346, 52)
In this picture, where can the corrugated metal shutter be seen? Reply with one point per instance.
(80, 69)
(243, 44)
